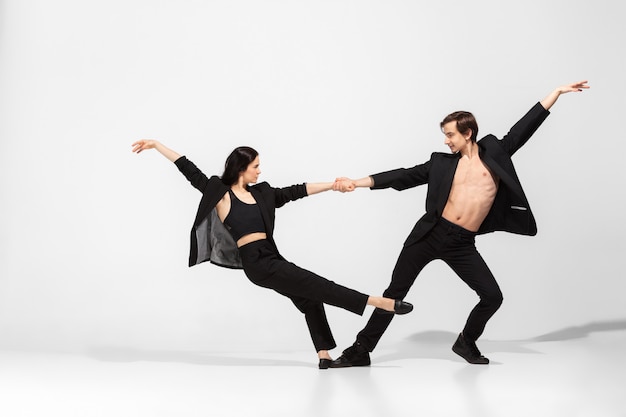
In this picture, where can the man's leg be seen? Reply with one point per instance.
(465, 260)
(411, 261)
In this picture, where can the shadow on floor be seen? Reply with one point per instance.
(437, 344)
(432, 344)
(578, 332)
(126, 354)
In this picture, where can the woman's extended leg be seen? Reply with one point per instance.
(266, 268)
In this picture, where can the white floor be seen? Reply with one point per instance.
(574, 372)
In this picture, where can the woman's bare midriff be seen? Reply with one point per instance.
(252, 237)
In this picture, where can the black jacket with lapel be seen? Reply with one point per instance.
(510, 211)
(210, 241)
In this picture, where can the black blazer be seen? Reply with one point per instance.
(210, 240)
(510, 211)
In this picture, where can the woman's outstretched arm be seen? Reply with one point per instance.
(144, 144)
(193, 174)
(318, 187)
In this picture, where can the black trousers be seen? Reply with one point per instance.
(308, 291)
(455, 246)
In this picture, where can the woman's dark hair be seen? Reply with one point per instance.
(237, 162)
(464, 122)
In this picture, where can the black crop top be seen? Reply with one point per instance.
(243, 218)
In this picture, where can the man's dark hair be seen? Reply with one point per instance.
(237, 162)
(464, 122)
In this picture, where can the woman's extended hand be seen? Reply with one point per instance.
(143, 144)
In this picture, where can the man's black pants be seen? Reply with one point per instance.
(455, 246)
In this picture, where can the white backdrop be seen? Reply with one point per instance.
(94, 239)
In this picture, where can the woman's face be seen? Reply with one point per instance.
(251, 174)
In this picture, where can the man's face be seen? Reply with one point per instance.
(454, 139)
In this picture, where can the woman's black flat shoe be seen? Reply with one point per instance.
(325, 363)
(401, 307)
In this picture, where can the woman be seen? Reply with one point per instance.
(234, 228)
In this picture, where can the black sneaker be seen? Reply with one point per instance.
(468, 351)
(355, 355)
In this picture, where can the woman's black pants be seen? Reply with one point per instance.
(265, 267)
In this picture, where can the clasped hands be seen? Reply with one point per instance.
(343, 184)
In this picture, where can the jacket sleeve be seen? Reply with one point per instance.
(402, 178)
(524, 129)
(286, 194)
(192, 173)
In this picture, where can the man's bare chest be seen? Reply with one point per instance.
(474, 174)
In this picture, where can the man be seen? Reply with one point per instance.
(472, 191)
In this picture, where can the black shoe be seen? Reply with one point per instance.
(468, 351)
(325, 363)
(355, 355)
(402, 307)
(399, 307)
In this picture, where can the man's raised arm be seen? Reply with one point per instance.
(554, 95)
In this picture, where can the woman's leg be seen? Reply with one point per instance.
(266, 268)
(316, 321)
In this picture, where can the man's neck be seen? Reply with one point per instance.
(470, 151)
